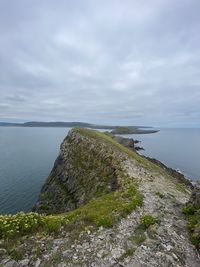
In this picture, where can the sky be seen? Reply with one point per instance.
(101, 61)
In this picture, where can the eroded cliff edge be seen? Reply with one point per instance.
(109, 207)
(87, 167)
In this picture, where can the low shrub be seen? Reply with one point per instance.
(189, 209)
(106, 210)
(193, 216)
(22, 223)
(148, 220)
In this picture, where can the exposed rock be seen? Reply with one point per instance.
(37, 263)
(62, 264)
(11, 263)
(195, 197)
(2, 251)
(67, 253)
(85, 168)
(127, 142)
(24, 263)
(179, 176)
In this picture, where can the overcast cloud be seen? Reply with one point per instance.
(102, 61)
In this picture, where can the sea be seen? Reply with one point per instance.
(27, 156)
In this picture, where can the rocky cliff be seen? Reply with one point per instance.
(87, 167)
(108, 207)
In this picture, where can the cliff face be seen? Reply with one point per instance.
(86, 168)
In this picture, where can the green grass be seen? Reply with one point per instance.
(189, 209)
(129, 252)
(139, 235)
(182, 188)
(138, 238)
(102, 211)
(147, 220)
(16, 254)
(99, 136)
(56, 258)
(193, 216)
(108, 209)
(152, 167)
(20, 224)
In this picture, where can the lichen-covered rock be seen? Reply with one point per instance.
(127, 142)
(85, 168)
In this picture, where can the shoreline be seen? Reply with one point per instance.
(173, 172)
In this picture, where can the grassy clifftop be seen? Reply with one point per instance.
(90, 165)
(88, 178)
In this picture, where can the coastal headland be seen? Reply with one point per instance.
(105, 205)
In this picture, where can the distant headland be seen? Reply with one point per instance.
(115, 129)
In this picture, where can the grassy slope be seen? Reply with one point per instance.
(193, 216)
(106, 138)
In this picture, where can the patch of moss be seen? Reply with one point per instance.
(16, 254)
(147, 220)
(36, 252)
(182, 188)
(129, 252)
(108, 209)
(138, 238)
(189, 209)
(193, 216)
(56, 258)
(139, 235)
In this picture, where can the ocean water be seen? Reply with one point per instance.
(177, 148)
(27, 156)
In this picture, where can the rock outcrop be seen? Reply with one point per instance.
(127, 142)
(177, 175)
(195, 197)
(86, 168)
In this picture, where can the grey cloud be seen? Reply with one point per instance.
(134, 62)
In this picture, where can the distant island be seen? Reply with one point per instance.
(115, 129)
(131, 130)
